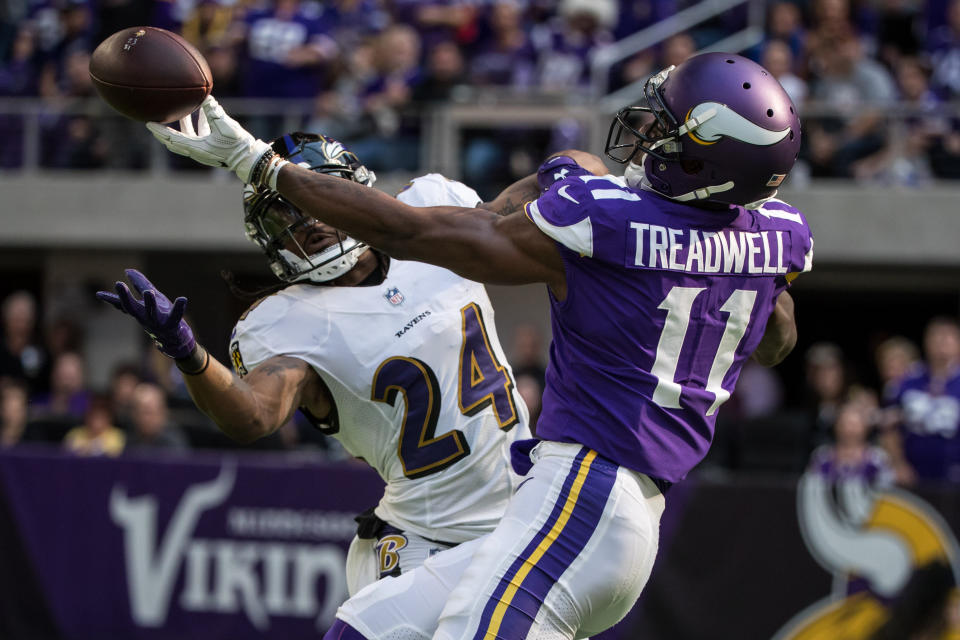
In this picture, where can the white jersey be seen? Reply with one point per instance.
(422, 389)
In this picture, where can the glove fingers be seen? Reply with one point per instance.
(161, 131)
(150, 307)
(186, 126)
(170, 138)
(177, 311)
(139, 281)
(110, 298)
(128, 303)
(203, 127)
(217, 119)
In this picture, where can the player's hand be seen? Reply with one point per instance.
(220, 141)
(162, 320)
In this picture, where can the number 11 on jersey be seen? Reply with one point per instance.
(679, 306)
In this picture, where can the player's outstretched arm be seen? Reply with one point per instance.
(780, 337)
(257, 405)
(475, 243)
(481, 246)
(243, 409)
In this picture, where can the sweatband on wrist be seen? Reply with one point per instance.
(195, 363)
(266, 168)
(273, 171)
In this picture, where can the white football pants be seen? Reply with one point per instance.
(568, 560)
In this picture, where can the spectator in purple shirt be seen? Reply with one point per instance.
(851, 456)
(927, 444)
(505, 56)
(72, 140)
(923, 131)
(387, 99)
(784, 24)
(439, 20)
(640, 14)
(287, 46)
(896, 358)
(356, 20)
(565, 45)
(76, 20)
(18, 77)
(944, 49)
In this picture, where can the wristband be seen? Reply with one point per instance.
(266, 168)
(195, 363)
(273, 171)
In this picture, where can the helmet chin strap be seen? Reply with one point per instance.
(703, 193)
(636, 178)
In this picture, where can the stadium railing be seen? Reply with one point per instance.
(35, 131)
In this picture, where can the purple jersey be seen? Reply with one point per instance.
(270, 39)
(665, 302)
(931, 425)
(873, 468)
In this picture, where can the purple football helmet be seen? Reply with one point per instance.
(718, 128)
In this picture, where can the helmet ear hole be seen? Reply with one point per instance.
(691, 166)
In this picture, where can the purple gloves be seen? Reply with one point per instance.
(161, 320)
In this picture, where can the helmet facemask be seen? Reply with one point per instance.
(273, 223)
(648, 128)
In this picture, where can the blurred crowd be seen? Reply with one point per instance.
(46, 396)
(897, 422)
(872, 77)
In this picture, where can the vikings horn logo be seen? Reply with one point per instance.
(872, 541)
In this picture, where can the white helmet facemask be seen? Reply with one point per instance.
(326, 265)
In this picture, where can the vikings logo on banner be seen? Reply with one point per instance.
(883, 546)
(254, 572)
(393, 296)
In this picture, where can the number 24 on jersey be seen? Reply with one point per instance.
(483, 382)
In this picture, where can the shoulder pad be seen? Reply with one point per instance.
(570, 209)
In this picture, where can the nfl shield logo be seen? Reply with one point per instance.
(393, 296)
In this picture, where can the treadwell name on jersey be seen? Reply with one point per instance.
(692, 250)
(410, 324)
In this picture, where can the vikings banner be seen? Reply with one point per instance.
(247, 546)
(180, 547)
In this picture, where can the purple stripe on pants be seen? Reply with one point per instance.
(572, 538)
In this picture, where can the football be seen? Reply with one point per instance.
(150, 74)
